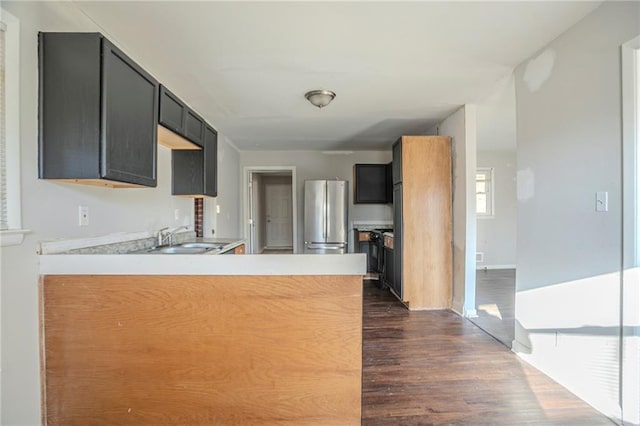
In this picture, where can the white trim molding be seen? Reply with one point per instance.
(246, 201)
(15, 234)
(482, 267)
(12, 237)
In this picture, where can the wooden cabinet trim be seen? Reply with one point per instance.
(172, 140)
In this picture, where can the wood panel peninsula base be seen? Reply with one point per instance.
(201, 349)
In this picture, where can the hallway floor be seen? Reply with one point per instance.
(434, 367)
(495, 303)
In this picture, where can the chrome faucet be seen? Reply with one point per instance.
(166, 237)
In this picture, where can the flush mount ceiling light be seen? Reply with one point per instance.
(320, 98)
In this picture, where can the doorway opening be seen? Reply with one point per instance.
(270, 206)
(496, 213)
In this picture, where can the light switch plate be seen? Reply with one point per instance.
(602, 201)
(83, 216)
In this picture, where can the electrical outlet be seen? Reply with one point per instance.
(177, 214)
(602, 201)
(83, 216)
(218, 208)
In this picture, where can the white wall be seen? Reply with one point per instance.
(569, 255)
(497, 234)
(316, 165)
(226, 223)
(461, 126)
(50, 210)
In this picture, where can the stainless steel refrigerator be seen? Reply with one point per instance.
(325, 216)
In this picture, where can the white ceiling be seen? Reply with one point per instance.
(397, 67)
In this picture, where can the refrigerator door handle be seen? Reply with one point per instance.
(325, 212)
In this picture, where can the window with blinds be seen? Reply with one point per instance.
(4, 223)
(484, 192)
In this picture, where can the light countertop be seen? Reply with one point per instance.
(201, 264)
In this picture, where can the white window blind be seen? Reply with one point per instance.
(4, 223)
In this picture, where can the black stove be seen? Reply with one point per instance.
(371, 242)
(376, 250)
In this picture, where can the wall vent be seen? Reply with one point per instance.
(479, 257)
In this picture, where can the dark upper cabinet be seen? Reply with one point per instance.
(98, 113)
(389, 170)
(396, 164)
(210, 162)
(176, 116)
(194, 172)
(172, 111)
(371, 184)
(194, 128)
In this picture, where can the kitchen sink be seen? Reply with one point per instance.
(202, 245)
(190, 247)
(178, 250)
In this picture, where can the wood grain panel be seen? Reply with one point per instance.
(239, 250)
(388, 241)
(173, 140)
(202, 349)
(427, 252)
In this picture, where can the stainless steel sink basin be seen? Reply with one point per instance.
(202, 245)
(178, 250)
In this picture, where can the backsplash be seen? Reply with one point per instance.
(124, 243)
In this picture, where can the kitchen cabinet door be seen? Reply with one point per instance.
(397, 240)
(210, 162)
(396, 164)
(194, 128)
(129, 119)
(370, 184)
(194, 172)
(187, 173)
(98, 113)
(172, 111)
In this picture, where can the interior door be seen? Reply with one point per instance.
(278, 205)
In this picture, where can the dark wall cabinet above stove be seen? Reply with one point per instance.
(98, 113)
(372, 184)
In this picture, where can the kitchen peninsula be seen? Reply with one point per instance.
(199, 339)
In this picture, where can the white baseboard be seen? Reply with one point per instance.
(481, 267)
(520, 349)
(470, 313)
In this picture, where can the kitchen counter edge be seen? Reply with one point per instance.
(197, 264)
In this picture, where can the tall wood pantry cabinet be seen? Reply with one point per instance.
(422, 217)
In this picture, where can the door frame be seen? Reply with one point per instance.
(629, 386)
(247, 195)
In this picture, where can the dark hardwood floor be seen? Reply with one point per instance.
(495, 303)
(436, 368)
